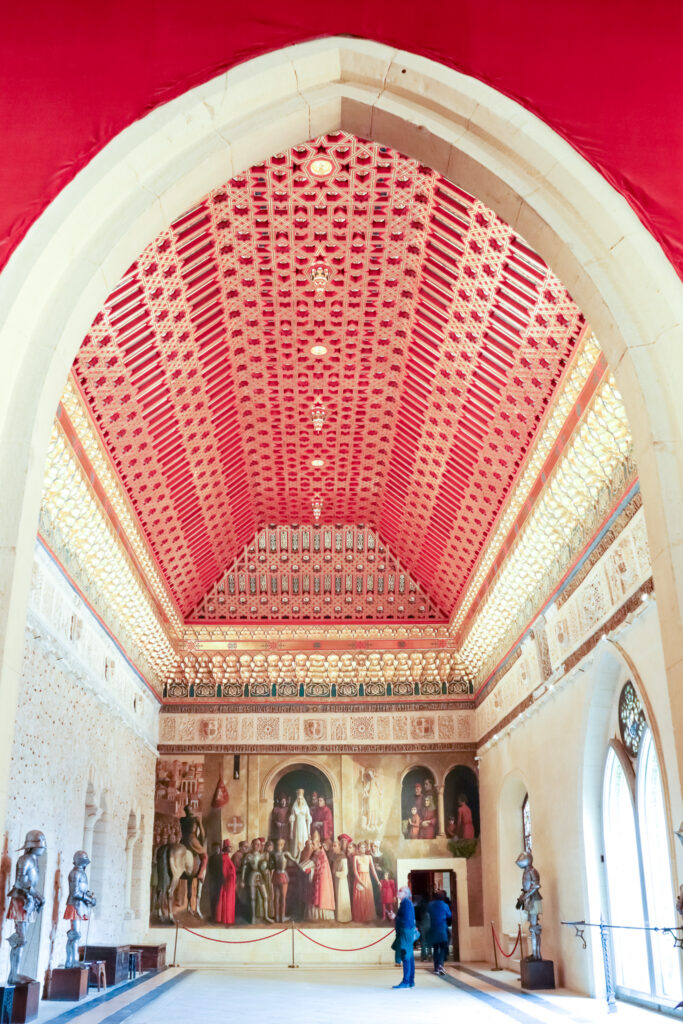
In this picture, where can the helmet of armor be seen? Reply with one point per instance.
(525, 859)
(35, 840)
(81, 859)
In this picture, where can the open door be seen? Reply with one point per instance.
(424, 883)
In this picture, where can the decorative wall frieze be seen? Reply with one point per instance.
(61, 625)
(620, 569)
(616, 527)
(580, 660)
(391, 730)
(169, 750)
(616, 584)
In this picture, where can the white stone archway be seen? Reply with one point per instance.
(77, 250)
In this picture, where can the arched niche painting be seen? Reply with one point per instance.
(461, 807)
(418, 804)
(318, 794)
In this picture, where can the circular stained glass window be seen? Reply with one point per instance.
(631, 719)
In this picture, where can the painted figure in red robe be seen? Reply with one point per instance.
(225, 910)
(465, 823)
(363, 902)
(321, 894)
(388, 892)
(428, 822)
(322, 820)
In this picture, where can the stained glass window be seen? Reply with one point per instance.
(526, 823)
(631, 719)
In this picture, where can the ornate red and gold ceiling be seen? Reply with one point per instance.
(338, 336)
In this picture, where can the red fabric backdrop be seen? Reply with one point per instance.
(605, 74)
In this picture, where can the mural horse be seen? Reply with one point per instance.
(175, 863)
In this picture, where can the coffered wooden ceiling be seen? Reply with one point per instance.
(338, 338)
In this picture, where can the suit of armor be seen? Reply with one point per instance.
(24, 900)
(278, 865)
(253, 877)
(79, 901)
(530, 900)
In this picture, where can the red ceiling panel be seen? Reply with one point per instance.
(445, 337)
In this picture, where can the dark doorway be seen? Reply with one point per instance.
(424, 883)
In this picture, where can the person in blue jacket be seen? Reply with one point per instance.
(439, 918)
(404, 920)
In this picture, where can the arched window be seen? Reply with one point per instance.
(654, 844)
(526, 824)
(637, 864)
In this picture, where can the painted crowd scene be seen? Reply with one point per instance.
(307, 864)
(301, 871)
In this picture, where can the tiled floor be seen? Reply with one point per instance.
(279, 996)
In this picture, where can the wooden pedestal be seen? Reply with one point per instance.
(25, 1000)
(68, 983)
(537, 974)
(153, 957)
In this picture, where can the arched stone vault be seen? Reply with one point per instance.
(154, 170)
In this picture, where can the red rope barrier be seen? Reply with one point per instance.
(336, 949)
(233, 942)
(500, 949)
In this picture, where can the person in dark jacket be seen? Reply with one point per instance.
(404, 920)
(439, 918)
(422, 922)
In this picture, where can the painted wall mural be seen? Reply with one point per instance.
(256, 839)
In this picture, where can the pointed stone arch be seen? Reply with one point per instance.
(155, 169)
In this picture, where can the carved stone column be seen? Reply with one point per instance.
(441, 829)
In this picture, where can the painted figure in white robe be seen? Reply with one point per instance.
(340, 874)
(299, 823)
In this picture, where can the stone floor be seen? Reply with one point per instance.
(280, 996)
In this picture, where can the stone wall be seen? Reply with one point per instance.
(82, 769)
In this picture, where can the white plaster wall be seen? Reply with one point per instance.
(545, 751)
(80, 738)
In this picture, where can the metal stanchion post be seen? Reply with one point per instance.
(292, 963)
(606, 960)
(175, 948)
(495, 953)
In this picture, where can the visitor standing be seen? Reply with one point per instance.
(439, 919)
(405, 937)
